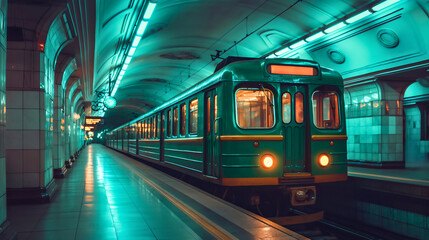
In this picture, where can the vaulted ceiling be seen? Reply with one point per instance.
(182, 35)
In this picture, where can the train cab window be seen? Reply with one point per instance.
(169, 123)
(286, 108)
(299, 107)
(208, 115)
(175, 119)
(183, 119)
(193, 116)
(254, 108)
(325, 110)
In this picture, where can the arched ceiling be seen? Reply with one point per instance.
(176, 48)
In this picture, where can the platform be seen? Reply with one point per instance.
(111, 196)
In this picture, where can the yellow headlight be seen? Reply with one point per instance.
(267, 161)
(324, 160)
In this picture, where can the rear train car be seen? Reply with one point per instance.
(254, 122)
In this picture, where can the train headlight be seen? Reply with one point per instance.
(267, 161)
(324, 160)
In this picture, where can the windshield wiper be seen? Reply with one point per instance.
(266, 95)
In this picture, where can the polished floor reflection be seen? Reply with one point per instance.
(103, 199)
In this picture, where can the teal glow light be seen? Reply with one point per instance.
(283, 51)
(384, 4)
(358, 17)
(315, 36)
(298, 44)
(142, 27)
(149, 10)
(132, 51)
(110, 102)
(136, 41)
(335, 27)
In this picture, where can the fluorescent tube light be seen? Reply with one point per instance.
(132, 51)
(122, 73)
(149, 10)
(125, 67)
(335, 27)
(136, 41)
(384, 4)
(358, 17)
(298, 44)
(142, 27)
(283, 51)
(315, 36)
(127, 60)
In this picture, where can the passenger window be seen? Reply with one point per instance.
(169, 123)
(144, 129)
(183, 119)
(299, 107)
(286, 108)
(255, 108)
(325, 110)
(208, 115)
(175, 119)
(215, 113)
(156, 126)
(193, 116)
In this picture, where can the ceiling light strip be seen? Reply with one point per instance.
(316, 35)
(139, 34)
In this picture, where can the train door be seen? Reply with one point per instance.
(294, 117)
(211, 133)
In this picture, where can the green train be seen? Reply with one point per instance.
(254, 122)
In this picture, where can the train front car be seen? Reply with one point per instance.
(282, 125)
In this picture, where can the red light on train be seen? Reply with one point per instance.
(292, 70)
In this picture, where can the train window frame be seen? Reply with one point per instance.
(169, 118)
(338, 106)
(273, 111)
(191, 119)
(175, 119)
(296, 107)
(290, 109)
(182, 120)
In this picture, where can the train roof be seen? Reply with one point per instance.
(251, 69)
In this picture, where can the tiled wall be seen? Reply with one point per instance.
(2, 112)
(30, 128)
(416, 150)
(59, 129)
(374, 124)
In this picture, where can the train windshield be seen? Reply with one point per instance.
(325, 110)
(255, 108)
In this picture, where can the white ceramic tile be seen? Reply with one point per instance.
(31, 139)
(14, 161)
(14, 119)
(14, 180)
(2, 176)
(31, 119)
(14, 139)
(13, 99)
(31, 161)
(31, 99)
(31, 180)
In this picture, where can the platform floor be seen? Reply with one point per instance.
(110, 196)
(414, 174)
